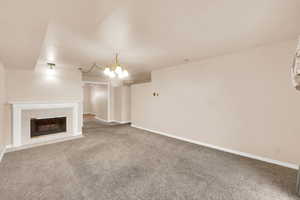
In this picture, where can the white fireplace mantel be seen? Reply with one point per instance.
(18, 107)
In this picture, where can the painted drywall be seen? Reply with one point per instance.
(43, 85)
(2, 110)
(126, 104)
(122, 103)
(99, 100)
(106, 103)
(99, 78)
(40, 84)
(117, 103)
(111, 106)
(243, 101)
(86, 98)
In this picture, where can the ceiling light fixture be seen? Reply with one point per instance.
(112, 71)
(51, 69)
(51, 66)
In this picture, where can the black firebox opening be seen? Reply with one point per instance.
(47, 126)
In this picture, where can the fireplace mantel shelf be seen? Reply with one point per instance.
(42, 102)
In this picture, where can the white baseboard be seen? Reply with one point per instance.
(110, 121)
(122, 122)
(2, 151)
(248, 155)
(100, 119)
(10, 148)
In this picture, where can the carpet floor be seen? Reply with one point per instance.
(118, 162)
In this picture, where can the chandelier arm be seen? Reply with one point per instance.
(94, 66)
(112, 70)
(117, 60)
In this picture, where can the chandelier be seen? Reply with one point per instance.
(116, 70)
(112, 71)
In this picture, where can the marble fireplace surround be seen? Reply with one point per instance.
(18, 110)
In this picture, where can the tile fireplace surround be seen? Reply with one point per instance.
(23, 111)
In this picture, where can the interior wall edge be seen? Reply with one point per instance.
(100, 119)
(121, 122)
(2, 152)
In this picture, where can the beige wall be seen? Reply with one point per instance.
(111, 106)
(243, 101)
(99, 100)
(100, 97)
(2, 102)
(126, 104)
(29, 85)
(39, 85)
(94, 78)
(117, 103)
(122, 103)
(86, 98)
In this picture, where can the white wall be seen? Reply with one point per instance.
(86, 98)
(111, 106)
(243, 101)
(96, 97)
(108, 102)
(117, 103)
(99, 100)
(29, 85)
(39, 85)
(126, 104)
(94, 78)
(2, 102)
(122, 103)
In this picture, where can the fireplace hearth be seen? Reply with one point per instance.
(40, 127)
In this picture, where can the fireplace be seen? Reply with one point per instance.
(40, 127)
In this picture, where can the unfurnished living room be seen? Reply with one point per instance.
(149, 100)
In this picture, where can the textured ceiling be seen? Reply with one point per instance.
(147, 34)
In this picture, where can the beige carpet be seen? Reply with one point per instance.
(116, 162)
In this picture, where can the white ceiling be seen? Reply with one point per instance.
(148, 34)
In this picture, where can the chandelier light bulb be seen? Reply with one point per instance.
(118, 70)
(125, 73)
(111, 71)
(112, 74)
(121, 75)
(107, 71)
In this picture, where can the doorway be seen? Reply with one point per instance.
(96, 101)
